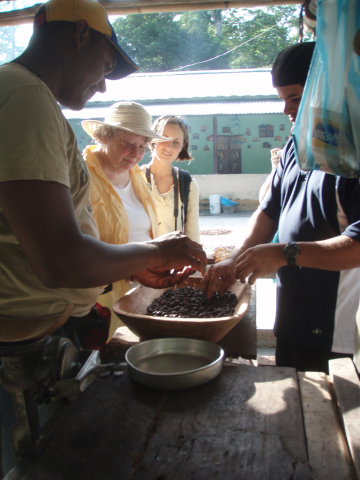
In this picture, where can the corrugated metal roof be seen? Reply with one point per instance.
(187, 85)
(188, 109)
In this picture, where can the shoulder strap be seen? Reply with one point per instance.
(176, 196)
(147, 171)
(184, 180)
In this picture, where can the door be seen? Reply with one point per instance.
(228, 154)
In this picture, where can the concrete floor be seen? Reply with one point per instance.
(235, 223)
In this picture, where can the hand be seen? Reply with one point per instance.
(177, 251)
(155, 278)
(219, 277)
(275, 157)
(259, 261)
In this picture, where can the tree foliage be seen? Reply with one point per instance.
(13, 39)
(9, 49)
(161, 42)
(167, 41)
(263, 33)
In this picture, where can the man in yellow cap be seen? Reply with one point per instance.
(50, 255)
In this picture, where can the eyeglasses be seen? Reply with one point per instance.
(131, 147)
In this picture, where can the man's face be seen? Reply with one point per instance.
(291, 94)
(87, 74)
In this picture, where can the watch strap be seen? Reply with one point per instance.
(291, 252)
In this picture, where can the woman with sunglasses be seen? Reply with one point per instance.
(122, 203)
(163, 179)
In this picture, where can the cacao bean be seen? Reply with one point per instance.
(188, 302)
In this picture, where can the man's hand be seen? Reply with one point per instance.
(259, 261)
(155, 278)
(177, 250)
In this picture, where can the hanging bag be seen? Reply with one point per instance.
(327, 127)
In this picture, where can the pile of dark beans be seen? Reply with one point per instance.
(190, 302)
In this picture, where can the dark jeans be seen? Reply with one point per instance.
(90, 332)
(304, 359)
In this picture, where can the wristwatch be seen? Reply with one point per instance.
(291, 252)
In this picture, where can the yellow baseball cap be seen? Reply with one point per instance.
(96, 17)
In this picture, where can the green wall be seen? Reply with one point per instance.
(255, 156)
(255, 150)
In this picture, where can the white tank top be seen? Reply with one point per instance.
(139, 220)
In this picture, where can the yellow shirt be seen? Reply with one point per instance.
(110, 214)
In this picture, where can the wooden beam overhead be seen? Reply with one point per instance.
(128, 7)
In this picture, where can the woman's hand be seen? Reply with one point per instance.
(219, 277)
(155, 278)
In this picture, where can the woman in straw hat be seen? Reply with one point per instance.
(121, 200)
(165, 180)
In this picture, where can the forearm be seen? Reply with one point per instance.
(61, 256)
(338, 253)
(192, 229)
(90, 263)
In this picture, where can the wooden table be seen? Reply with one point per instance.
(246, 424)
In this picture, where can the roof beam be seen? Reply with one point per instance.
(128, 7)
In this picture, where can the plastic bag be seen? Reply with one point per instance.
(327, 127)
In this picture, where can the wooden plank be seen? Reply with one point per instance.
(245, 424)
(249, 427)
(101, 436)
(356, 358)
(328, 452)
(215, 143)
(26, 15)
(347, 390)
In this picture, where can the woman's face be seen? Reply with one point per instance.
(125, 149)
(169, 151)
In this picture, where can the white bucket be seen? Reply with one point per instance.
(215, 203)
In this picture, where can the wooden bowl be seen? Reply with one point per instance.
(132, 307)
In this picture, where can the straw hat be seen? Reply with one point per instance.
(129, 116)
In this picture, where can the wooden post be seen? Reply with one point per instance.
(215, 143)
(347, 390)
(26, 15)
(328, 452)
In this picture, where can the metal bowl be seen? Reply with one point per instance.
(174, 363)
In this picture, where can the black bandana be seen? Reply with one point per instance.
(292, 65)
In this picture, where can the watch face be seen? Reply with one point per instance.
(291, 250)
